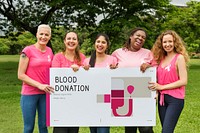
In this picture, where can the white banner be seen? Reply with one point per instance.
(101, 97)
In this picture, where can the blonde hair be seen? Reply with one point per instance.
(44, 26)
(179, 46)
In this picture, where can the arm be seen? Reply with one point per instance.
(147, 62)
(114, 63)
(56, 61)
(182, 72)
(86, 64)
(23, 64)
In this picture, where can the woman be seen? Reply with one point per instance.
(170, 54)
(133, 55)
(71, 57)
(33, 70)
(99, 58)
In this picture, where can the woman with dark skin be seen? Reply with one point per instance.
(132, 54)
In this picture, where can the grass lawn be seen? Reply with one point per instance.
(11, 116)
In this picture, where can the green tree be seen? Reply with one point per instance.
(185, 21)
(15, 42)
(4, 46)
(117, 15)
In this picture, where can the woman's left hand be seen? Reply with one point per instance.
(113, 66)
(75, 67)
(154, 86)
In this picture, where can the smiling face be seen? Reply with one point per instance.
(168, 43)
(43, 36)
(71, 41)
(137, 40)
(101, 44)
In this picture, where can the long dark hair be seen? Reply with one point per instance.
(93, 55)
(127, 44)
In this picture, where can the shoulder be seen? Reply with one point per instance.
(30, 47)
(82, 56)
(111, 57)
(180, 61)
(120, 50)
(49, 49)
(145, 50)
(180, 57)
(58, 55)
(86, 61)
(29, 50)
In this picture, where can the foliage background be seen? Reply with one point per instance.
(19, 20)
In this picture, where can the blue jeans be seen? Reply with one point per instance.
(99, 129)
(29, 105)
(170, 112)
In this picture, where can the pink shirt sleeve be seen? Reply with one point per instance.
(114, 60)
(27, 50)
(114, 55)
(56, 62)
(86, 61)
(82, 58)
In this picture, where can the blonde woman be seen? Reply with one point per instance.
(33, 70)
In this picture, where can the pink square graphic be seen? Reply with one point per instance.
(107, 98)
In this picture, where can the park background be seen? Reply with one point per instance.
(19, 20)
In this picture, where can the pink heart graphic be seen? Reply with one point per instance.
(130, 89)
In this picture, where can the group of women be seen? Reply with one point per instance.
(168, 54)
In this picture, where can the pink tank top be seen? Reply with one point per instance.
(167, 75)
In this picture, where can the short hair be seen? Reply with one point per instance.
(44, 26)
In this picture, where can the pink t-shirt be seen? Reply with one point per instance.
(106, 63)
(37, 69)
(168, 75)
(126, 58)
(60, 60)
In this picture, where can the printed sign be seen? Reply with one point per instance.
(101, 97)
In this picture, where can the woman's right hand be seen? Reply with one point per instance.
(46, 88)
(144, 66)
(86, 67)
